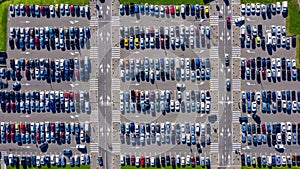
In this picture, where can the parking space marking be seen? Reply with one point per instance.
(115, 84)
(236, 84)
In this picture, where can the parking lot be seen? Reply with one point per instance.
(48, 80)
(164, 73)
(268, 94)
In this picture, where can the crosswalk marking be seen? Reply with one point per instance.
(216, 113)
(236, 84)
(236, 52)
(115, 21)
(116, 147)
(115, 84)
(214, 20)
(94, 147)
(115, 52)
(94, 21)
(94, 52)
(214, 52)
(94, 84)
(94, 115)
(115, 116)
(236, 146)
(214, 147)
(235, 116)
(214, 84)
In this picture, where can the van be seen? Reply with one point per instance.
(87, 107)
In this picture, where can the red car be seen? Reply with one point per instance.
(172, 9)
(162, 42)
(22, 126)
(66, 95)
(12, 136)
(37, 136)
(132, 160)
(142, 160)
(192, 161)
(12, 127)
(263, 126)
(263, 72)
(27, 73)
(42, 10)
(7, 135)
(27, 9)
(248, 63)
(228, 21)
(71, 95)
(62, 136)
(36, 41)
(52, 126)
(72, 9)
(167, 9)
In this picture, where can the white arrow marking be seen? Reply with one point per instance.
(248, 51)
(108, 65)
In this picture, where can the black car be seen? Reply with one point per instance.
(163, 161)
(157, 162)
(173, 161)
(168, 160)
(293, 41)
(243, 159)
(187, 9)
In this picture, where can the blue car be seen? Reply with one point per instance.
(63, 161)
(33, 160)
(6, 160)
(244, 127)
(192, 9)
(18, 138)
(197, 63)
(121, 10)
(87, 159)
(136, 8)
(71, 161)
(142, 8)
(87, 32)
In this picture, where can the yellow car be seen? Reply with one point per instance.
(126, 42)
(136, 41)
(17, 127)
(258, 40)
(206, 9)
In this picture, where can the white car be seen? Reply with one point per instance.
(202, 30)
(243, 9)
(278, 7)
(263, 8)
(242, 30)
(283, 30)
(278, 72)
(253, 106)
(269, 73)
(248, 8)
(279, 146)
(293, 63)
(279, 138)
(283, 127)
(182, 9)
(257, 8)
(252, 8)
(162, 10)
(207, 31)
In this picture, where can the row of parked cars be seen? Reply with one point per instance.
(269, 68)
(194, 69)
(47, 11)
(271, 101)
(41, 37)
(264, 8)
(46, 160)
(198, 101)
(163, 37)
(276, 134)
(163, 161)
(185, 133)
(165, 10)
(43, 101)
(44, 132)
(271, 160)
(46, 69)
